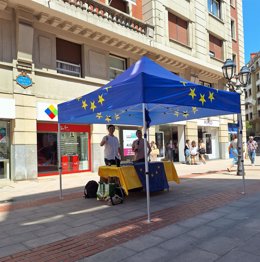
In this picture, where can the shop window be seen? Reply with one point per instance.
(214, 7)
(4, 149)
(68, 59)
(74, 144)
(117, 65)
(178, 29)
(215, 47)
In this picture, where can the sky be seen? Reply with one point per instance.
(251, 15)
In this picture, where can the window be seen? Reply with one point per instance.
(245, 94)
(249, 92)
(178, 29)
(258, 113)
(246, 106)
(214, 8)
(251, 116)
(119, 5)
(233, 29)
(246, 117)
(258, 100)
(117, 65)
(215, 47)
(233, 3)
(258, 88)
(204, 83)
(68, 58)
(257, 76)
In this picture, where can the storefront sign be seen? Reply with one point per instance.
(47, 112)
(208, 122)
(128, 137)
(24, 80)
(9, 108)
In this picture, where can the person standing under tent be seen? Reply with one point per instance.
(154, 152)
(251, 148)
(112, 148)
(138, 148)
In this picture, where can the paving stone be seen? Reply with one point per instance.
(143, 242)
(218, 245)
(170, 231)
(193, 254)
(202, 232)
(252, 245)
(192, 222)
(110, 255)
(236, 255)
(11, 249)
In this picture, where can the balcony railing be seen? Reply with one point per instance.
(68, 68)
(110, 13)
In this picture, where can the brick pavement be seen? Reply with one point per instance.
(188, 204)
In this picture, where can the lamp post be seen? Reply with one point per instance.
(242, 79)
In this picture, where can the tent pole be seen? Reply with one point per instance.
(146, 167)
(59, 161)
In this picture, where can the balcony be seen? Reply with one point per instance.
(68, 68)
(114, 15)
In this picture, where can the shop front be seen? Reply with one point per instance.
(74, 144)
(6, 116)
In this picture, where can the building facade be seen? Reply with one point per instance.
(56, 50)
(252, 96)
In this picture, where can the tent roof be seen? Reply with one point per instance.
(168, 98)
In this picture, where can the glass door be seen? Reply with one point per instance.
(4, 149)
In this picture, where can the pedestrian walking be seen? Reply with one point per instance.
(251, 148)
(202, 151)
(187, 152)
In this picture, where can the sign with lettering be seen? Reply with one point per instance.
(24, 80)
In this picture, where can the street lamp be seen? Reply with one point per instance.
(242, 79)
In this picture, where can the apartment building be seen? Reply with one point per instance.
(252, 96)
(52, 51)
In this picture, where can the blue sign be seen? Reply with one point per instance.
(24, 80)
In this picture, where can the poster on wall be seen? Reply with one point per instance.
(128, 137)
(2, 135)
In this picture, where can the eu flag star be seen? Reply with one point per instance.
(117, 116)
(176, 113)
(108, 87)
(108, 118)
(84, 104)
(78, 98)
(192, 93)
(185, 114)
(194, 109)
(99, 115)
(92, 106)
(101, 99)
(184, 83)
(202, 99)
(211, 96)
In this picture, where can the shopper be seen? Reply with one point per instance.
(251, 148)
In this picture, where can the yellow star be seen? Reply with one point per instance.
(84, 104)
(185, 114)
(101, 99)
(99, 115)
(92, 105)
(202, 99)
(78, 98)
(192, 93)
(184, 83)
(106, 88)
(211, 96)
(117, 116)
(108, 118)
(194, 109)
(176, 113)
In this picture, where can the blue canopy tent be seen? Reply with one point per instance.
(147, 91)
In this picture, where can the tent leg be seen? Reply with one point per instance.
(146, 168)
(59, 162)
